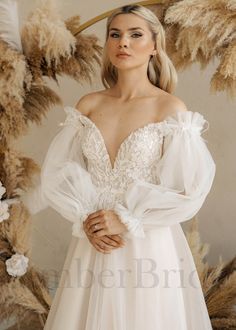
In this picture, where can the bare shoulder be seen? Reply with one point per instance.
(172, 105)
(87, 102)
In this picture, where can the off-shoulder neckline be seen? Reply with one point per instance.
(172, 117)
(184, 119)
(92, 122)
(161, 124)
(124, 141)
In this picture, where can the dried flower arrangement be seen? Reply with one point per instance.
(46, 47)
(49, 47)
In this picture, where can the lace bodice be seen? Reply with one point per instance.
(136, 158)
(161, 174)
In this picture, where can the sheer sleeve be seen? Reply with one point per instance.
(65, 184)
(185, 175)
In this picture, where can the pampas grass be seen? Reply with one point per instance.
(218, 282)
(27, 295)
(16, 171)
(226, 71)
(81, 65)
(14, 79)
(196, 31)
(38, 100)
(49, 49)
(13, 75)
(12, 123)
(44, 30)
(73, 23)
(24, 301)
(52, 49)
(199, 31)
(17, 229)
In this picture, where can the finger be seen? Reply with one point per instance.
(109, 241)
(87, 232)
(92, 230)
(100, 233)
(88, 225)
(93, 222)
(101, 249)
(116, 238)
(95, 214)
(104, 245)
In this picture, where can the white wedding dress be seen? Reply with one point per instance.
(161, 176)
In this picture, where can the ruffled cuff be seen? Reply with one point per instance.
(77, 228)
(133, 224)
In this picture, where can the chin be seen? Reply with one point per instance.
(130, 64)
(124, 65)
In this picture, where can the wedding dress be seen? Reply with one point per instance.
(161, 176)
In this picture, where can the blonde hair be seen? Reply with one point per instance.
(161, 71)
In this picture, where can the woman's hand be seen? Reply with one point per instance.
(106, 244)
(104, 222)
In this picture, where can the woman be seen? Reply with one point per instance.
(128, 166)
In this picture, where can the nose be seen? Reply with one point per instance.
(123, 42)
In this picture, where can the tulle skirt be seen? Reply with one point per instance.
(150, 283)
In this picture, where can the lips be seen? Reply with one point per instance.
(123, 54)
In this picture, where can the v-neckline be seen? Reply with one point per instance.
(127, 138)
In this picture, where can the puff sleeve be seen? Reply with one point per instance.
(65, 184)
(185, 175)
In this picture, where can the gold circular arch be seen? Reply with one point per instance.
(107, 13)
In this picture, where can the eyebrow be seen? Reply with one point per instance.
(130, 29)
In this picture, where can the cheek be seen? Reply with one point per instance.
(143, 45)
(111, 49)
(111, 44)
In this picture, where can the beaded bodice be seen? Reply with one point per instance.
(136, 158)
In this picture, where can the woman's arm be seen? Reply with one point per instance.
(185, 171)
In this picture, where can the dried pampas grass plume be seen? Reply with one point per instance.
(16, 229)
(38, 100)
(226, 71)
(196, 31)
(52, 49)
(46, 32)
(81, 66)
(49, 49)
(73, 24)
(218, 282)
(25, 299)
(15, 78)
(26, 296)
(199, 31)
(16, 172)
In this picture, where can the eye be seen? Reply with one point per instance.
(134, 35)
(137, 35)
(114, 34)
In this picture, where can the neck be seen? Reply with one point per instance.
(132, 83)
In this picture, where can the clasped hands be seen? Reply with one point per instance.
(103, 228)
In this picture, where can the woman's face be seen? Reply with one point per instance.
(129, 33)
